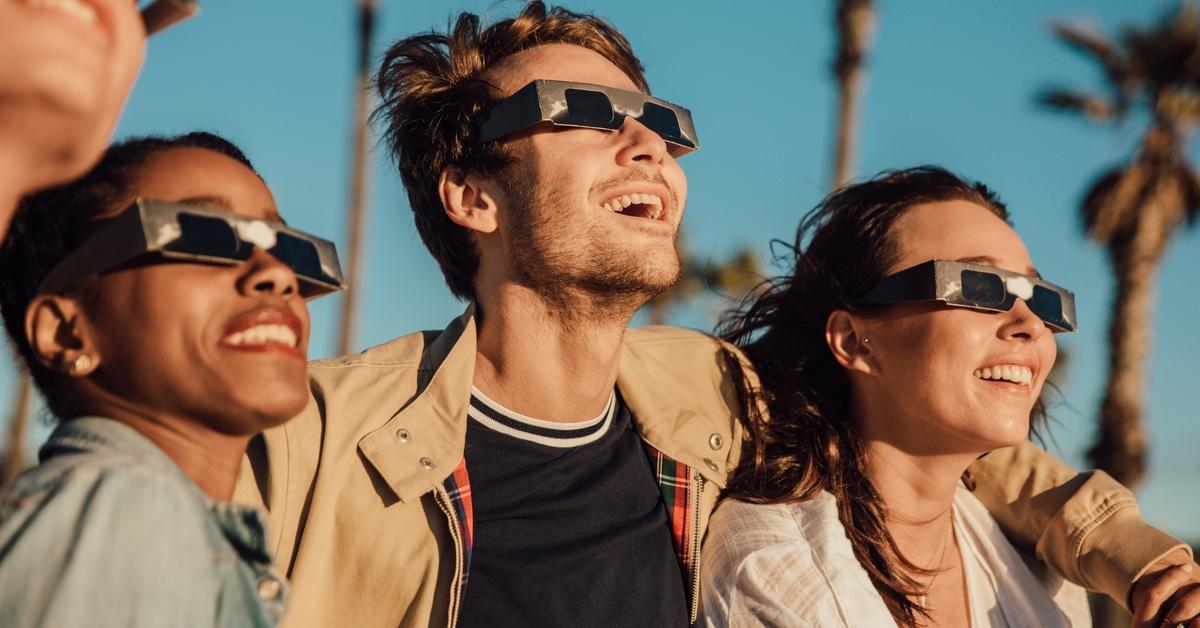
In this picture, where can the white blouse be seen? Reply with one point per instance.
(792, 565)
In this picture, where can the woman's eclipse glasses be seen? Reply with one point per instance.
(190, 233)
(977, 286)
(584, 105)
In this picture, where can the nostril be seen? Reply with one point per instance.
(265, 285)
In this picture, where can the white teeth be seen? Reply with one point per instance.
(263, 334)
(1006, 372)
(74, 8)
(618, 204)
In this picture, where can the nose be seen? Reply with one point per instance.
(264, 274)
(640, 145)
(1022, 324)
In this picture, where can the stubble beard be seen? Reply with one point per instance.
(586, 274)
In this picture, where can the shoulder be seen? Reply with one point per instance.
(81, 519)
(786, 562)
(741, 531)
(88, 497)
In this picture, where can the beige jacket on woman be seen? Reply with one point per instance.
(370, 507)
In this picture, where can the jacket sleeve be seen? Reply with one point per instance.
(1085, 526)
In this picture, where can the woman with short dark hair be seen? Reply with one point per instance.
(159, 304)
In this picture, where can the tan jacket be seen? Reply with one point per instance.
(359, 486)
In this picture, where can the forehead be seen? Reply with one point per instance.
(204, 177)
(557, 62)
(957, 230)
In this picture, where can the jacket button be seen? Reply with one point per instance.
(711, 465)
(402, 435)
(426, 463)
(715, 441)
(269, 588)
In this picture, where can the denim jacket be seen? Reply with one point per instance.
(108, 531)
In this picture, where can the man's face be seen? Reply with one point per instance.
(579, 209)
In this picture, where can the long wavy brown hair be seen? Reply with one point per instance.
(810, 443)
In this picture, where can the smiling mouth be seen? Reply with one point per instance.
(81, 11)
(649, 206)
(265, 330)
(1012, 373)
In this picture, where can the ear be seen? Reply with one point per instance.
(468, 200)
(845, 334)
(60, 335)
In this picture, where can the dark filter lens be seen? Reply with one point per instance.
(206, 235)
(1047, 304)
(300, 255)
(589, 107)
(662, 121)
(984, 289)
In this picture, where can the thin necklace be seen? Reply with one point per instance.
(923, 599)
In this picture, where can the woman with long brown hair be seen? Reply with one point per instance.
(912, 337)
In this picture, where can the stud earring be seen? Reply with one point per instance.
(81, 365)
(866, 340)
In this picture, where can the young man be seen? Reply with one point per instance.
(537, 463)
(66, 68)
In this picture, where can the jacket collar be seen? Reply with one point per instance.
(423, 442)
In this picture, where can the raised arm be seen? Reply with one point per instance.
(1086, 526)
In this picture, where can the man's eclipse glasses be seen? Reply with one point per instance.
(976, 286)
(190, 233)
(583, 105)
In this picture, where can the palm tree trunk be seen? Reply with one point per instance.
(855, 21)
(1121, 445)
(359, 179)
(849, 90)
(14, 453)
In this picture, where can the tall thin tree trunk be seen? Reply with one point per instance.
(359, 178)
(14, 451)
(855, 21)
(1121, 444)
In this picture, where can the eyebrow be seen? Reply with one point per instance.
(991, 261)
(220, 202)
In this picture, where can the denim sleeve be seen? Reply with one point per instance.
(106, 547)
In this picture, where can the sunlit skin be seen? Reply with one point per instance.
(63, 82)
(600, 267)
(923, 414)
(158, 333)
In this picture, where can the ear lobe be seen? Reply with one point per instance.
(57, 330)
(845, 336)
(467, 200)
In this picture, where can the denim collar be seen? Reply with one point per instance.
(244, 526)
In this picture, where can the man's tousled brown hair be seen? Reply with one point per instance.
(433, 86)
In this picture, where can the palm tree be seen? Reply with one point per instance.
(1134, 208)
(855, 28)
(359, 181)
(732, 277)
(15, 460)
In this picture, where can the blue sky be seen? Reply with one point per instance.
(949, 82)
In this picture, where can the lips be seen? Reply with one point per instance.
(1018, 371)
(648, 201)
(265, 329)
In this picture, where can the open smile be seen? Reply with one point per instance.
(265, 329)
(645, 202)
(1016, 375)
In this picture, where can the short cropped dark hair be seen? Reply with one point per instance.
(51, 223)
(432, 87)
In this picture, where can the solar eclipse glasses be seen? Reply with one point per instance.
(197, 234)
(567, 104)
(976, 286)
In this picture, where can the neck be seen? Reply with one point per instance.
(542, 358)
(918, 491)
(209, 458)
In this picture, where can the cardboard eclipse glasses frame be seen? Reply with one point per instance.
(976, 286)
(584, 105)
(190, 233)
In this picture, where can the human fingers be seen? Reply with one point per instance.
(1151, 592)
(1184, 607)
